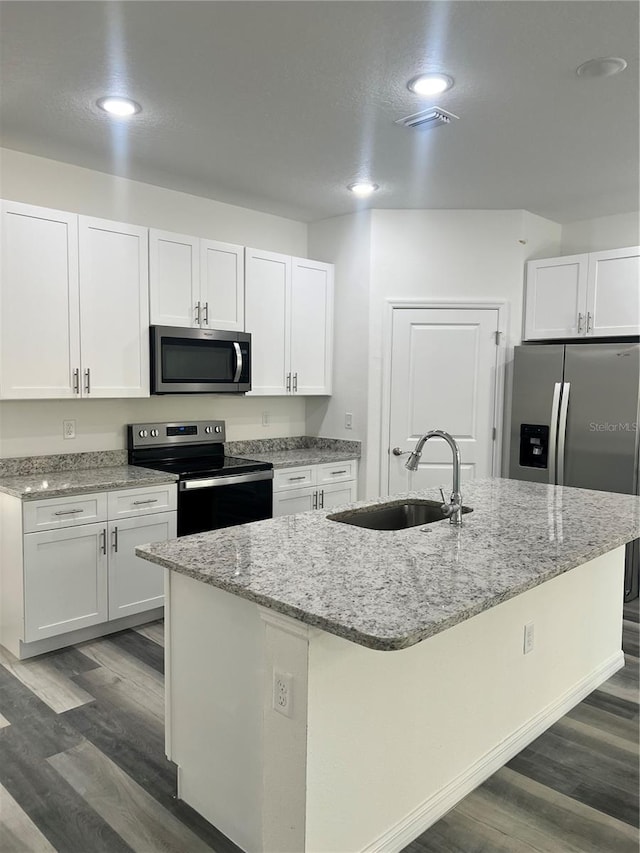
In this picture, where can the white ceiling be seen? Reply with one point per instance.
(278, 105)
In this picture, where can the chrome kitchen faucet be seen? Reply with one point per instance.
(453, 509)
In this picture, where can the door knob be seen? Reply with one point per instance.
(397, 452)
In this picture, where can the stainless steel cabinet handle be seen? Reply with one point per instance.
(87, 380)
(115, 538)
(295, 383)
(297, 478)
(335, 473)
(397, 452)
(198, 313)
(580, 316)
(288, 383)
(322, 499)
(206, 314)
(150, 501)
(103, 541)
(76, 381)
(314, 505)
(589, 322)
(68, 511)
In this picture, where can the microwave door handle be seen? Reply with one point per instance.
(236, 347)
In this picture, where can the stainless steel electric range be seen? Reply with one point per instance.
(214, 490)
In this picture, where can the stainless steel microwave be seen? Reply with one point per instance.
(199, 361)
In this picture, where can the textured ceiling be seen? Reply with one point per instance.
(277, 106)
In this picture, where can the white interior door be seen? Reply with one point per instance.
(443, 376)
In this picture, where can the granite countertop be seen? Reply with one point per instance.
(391, 589)
(37, 485)
(302, 456)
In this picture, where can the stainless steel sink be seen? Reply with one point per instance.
(395, 515)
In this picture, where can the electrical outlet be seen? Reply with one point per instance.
(282, 692)
(528, 638)
(265, 419)
(68, 429)
(348, 420)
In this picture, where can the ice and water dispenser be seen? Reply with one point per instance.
(534, 445)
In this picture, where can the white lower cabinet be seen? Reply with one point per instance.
(65, 580)
(309, 487)
(71, 564)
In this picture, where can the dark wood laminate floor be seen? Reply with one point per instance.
(82, 765)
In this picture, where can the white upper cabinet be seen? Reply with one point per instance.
(311, 326)
(114, 312)
(289, 313)
(195, 282)
(268, 319)
(588, 295)
(39, 333)
(614, 292)
(174, 279)
(74, 311)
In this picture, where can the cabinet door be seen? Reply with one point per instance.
(556, 298)
(340, 493)
(222, 285)
(613, 300)
(114, 309)
(297, 500)
(65, 580)
(268, 319)
(174, 279)
(136, 585)
(311, 326)
(39, 337)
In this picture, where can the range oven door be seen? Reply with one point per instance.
(216, 502)
(199, 361)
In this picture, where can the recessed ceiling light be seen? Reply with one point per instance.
(605, 66)
(362, 189)
(430, 84)
(120, 107)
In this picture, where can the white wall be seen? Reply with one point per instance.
(35, 427)
(606, 232)
(346, 242)
(428, 254)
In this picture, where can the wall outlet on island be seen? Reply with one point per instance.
(282, 692)
(265, 419)
(68, 429)
(528, 638)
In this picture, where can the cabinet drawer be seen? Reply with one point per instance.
(132, 502)
(293, 478)
(337, 472)
(52, 513)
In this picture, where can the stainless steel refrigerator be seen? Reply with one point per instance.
(574, 421)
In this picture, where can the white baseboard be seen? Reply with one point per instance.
(432, 809)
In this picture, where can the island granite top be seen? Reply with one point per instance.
(52, 484)
(391, 589)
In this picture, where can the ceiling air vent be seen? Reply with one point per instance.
(426, 119)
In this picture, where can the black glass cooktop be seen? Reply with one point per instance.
(206, 466)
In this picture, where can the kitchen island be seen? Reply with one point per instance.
(334, 688)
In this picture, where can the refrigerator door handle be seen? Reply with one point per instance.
(562, 430)
(553, 432)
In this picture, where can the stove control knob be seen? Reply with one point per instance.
(155, 433)
(218, 429)
(208, 430)
(143, 433)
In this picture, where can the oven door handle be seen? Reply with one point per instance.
(231, 480)
(236, 347)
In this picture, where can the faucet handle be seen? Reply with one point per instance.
(444, 500)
